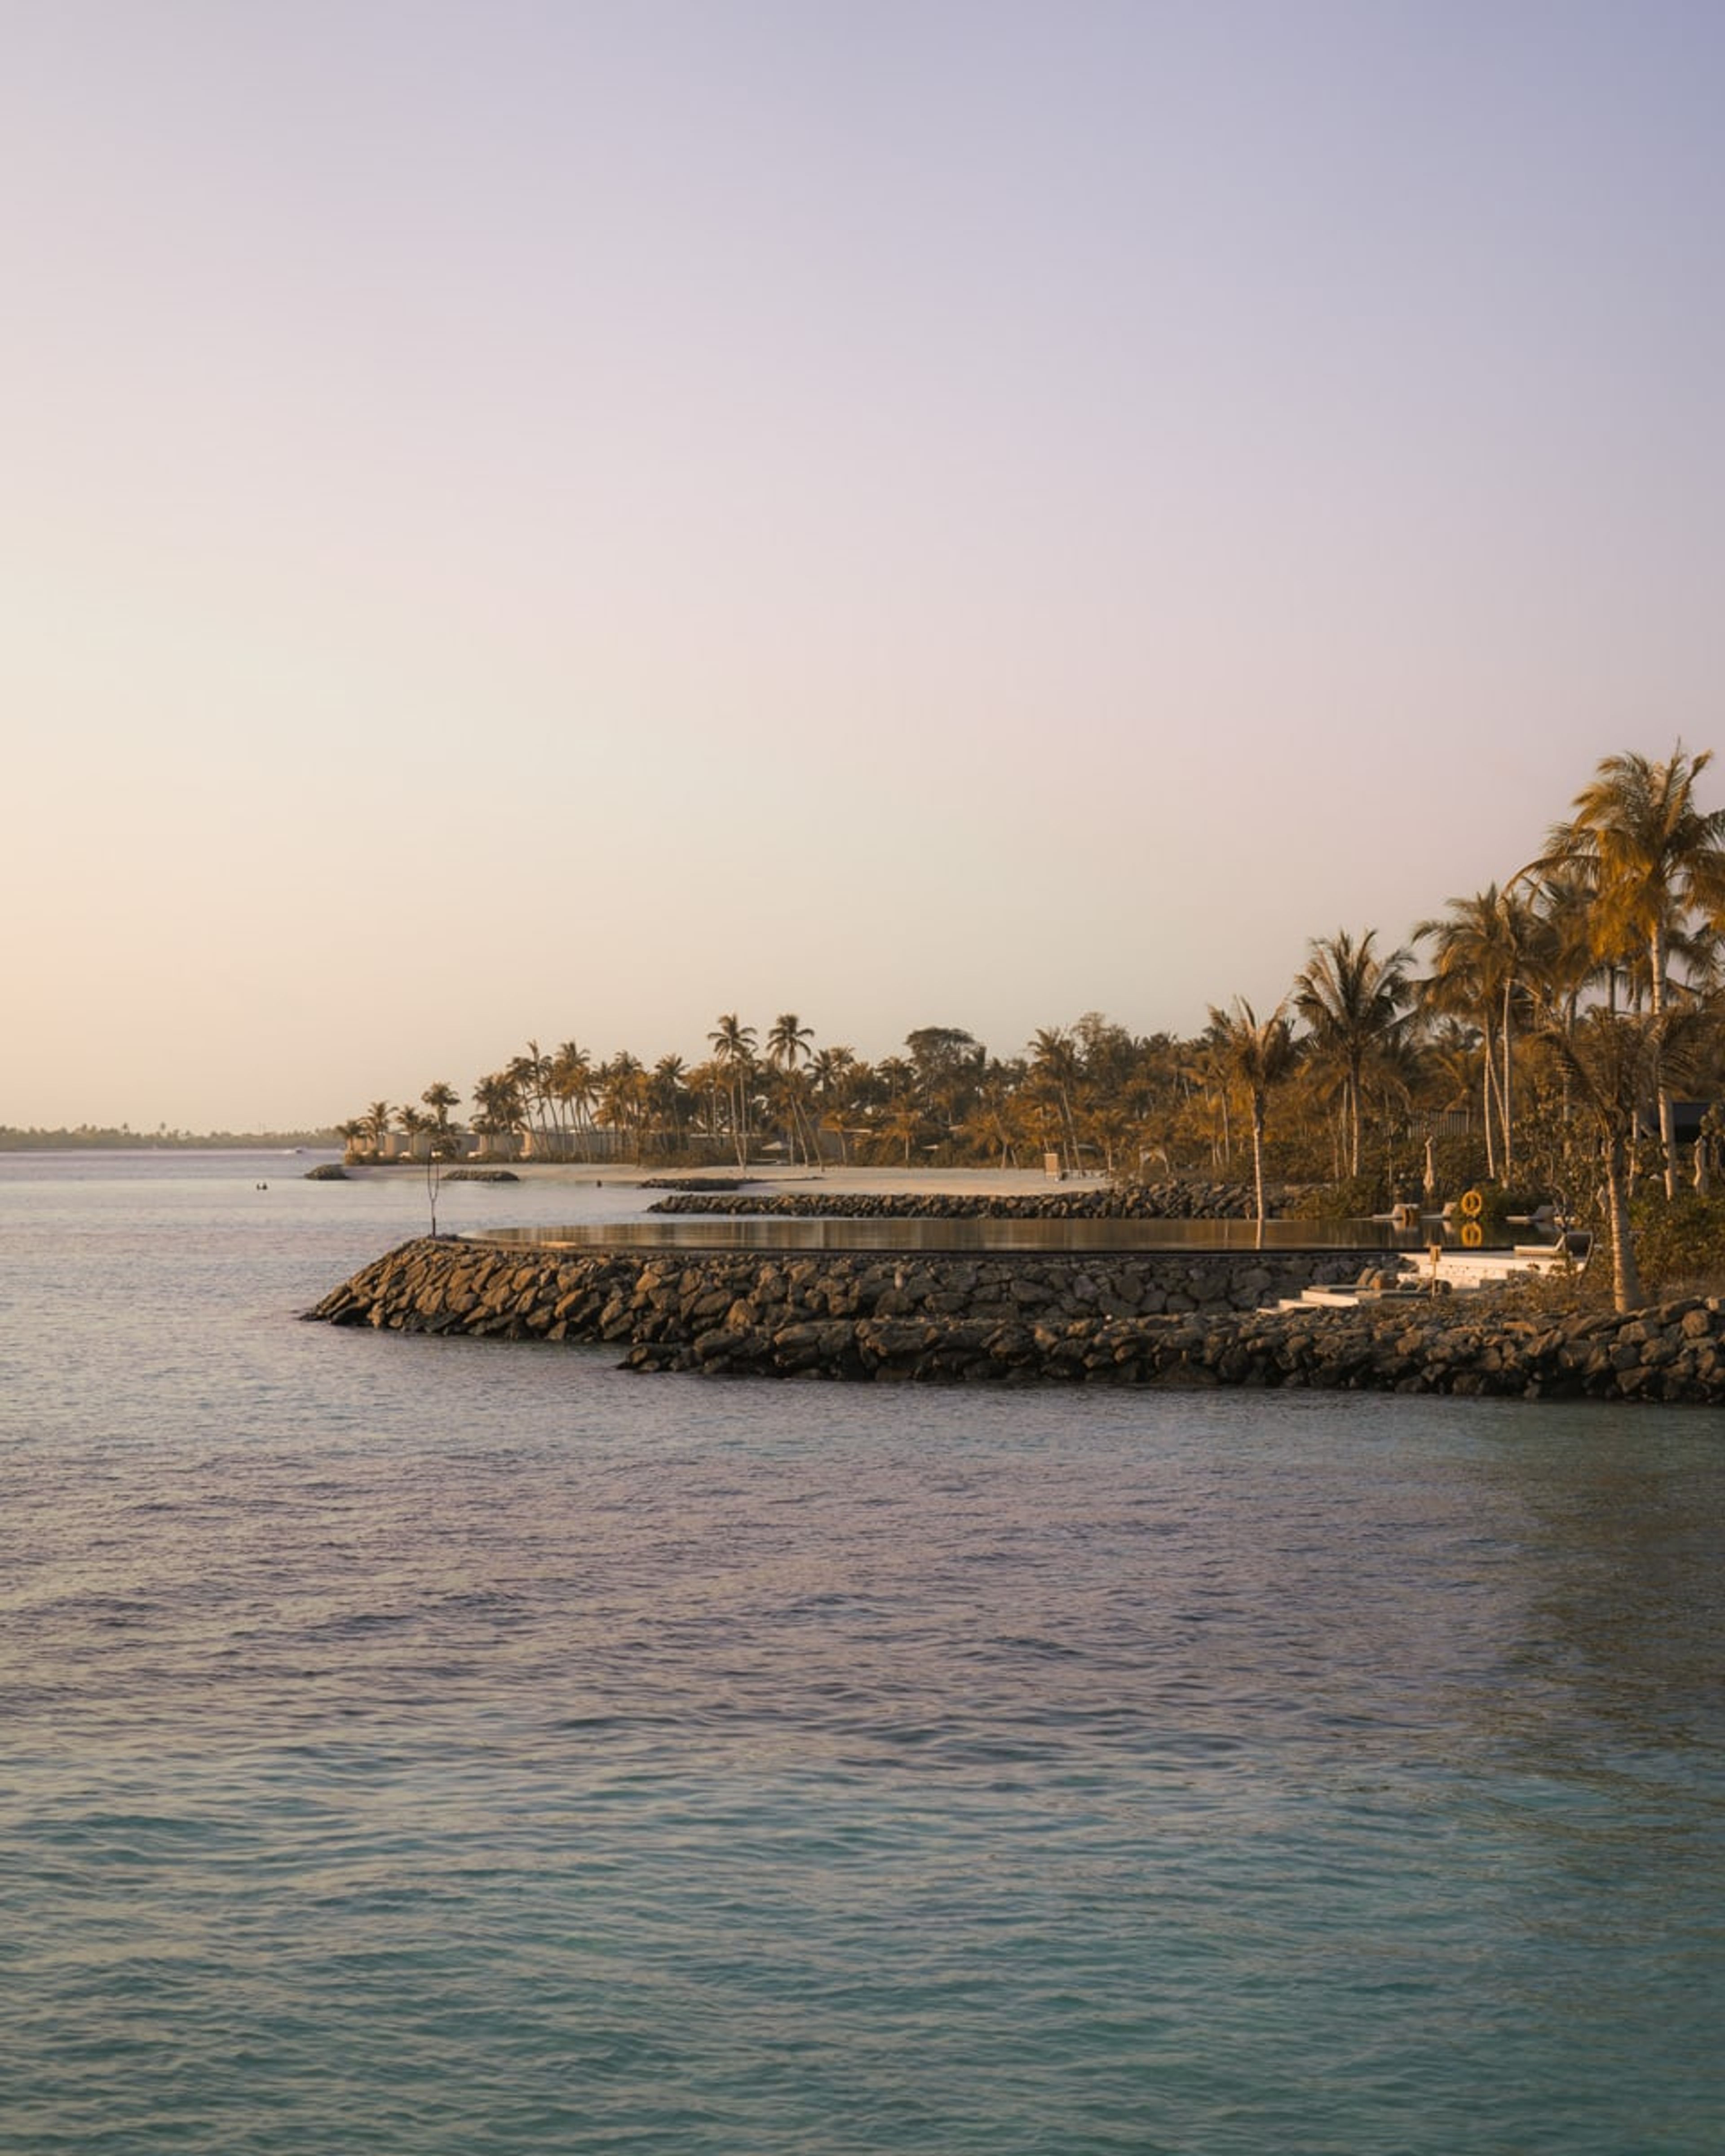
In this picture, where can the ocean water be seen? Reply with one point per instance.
(426, 1746)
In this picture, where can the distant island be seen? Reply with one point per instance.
(91, 1137)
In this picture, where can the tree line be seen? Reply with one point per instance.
(1534, 1034)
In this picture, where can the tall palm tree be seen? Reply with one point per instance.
(1650, 857)
(1568, 965)
(704, 1084)
(1254, 1056)
(666, 1094)
(573, 1085)
(833, 1070)
(1451, 1063)
(498, 1108)
(532, 1076)
(895, 1113)
(1353, 1003)
(990, 1128)
(1483, 951)
(440, 1097)
(904, 1123)
(733, 1046)
(1055, 1072)
(1204, 1069)
(1617, 1064)
(622, 1097)
(788, 1040)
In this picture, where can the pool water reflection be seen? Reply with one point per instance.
(781, 1232)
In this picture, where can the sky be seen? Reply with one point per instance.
(558, 521)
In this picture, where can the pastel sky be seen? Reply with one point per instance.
(564, 520)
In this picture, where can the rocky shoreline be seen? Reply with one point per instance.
(1138, 1201)
(1145, 1318)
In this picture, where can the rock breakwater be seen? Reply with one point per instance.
(1151, 1318)
(1138, 1201)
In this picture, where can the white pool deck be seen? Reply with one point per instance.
(1457, 1270)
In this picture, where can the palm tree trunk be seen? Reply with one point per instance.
(1071, 1130)
(1353, 1121)
(1667, 1123)
(1509, 1142)
(1258, 1165)
(1626, 1273)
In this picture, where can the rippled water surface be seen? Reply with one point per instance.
(431, 1746)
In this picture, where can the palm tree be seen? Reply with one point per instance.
(1482, 952)
(497, 1104)
(1567, 964)
(990, 1126)
(532, 1076)
(573, 1085)
(377, 1123)
(705, 1084)
(788, 1040)
(895, 1113)
(666, 1094)
(1254, 1057)
(1055, 1071)
(833, 1070)
(623, 1097)
(733, 1046)
(1617, 1064)
(1650, 857)
(440, 1097)
(904, 1123)
(1202, 1069)
(1352, 1002)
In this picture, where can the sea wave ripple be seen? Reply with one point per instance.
(422, 1747)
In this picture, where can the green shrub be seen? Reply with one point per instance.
(1355, 1198)
(1457, 1164)
(1506, 1205)
(1680, 1242)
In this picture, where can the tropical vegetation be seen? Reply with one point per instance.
(1535, 1036)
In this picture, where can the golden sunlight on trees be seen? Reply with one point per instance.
(1541, 1042)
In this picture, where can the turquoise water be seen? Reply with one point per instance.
(422, 1746)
